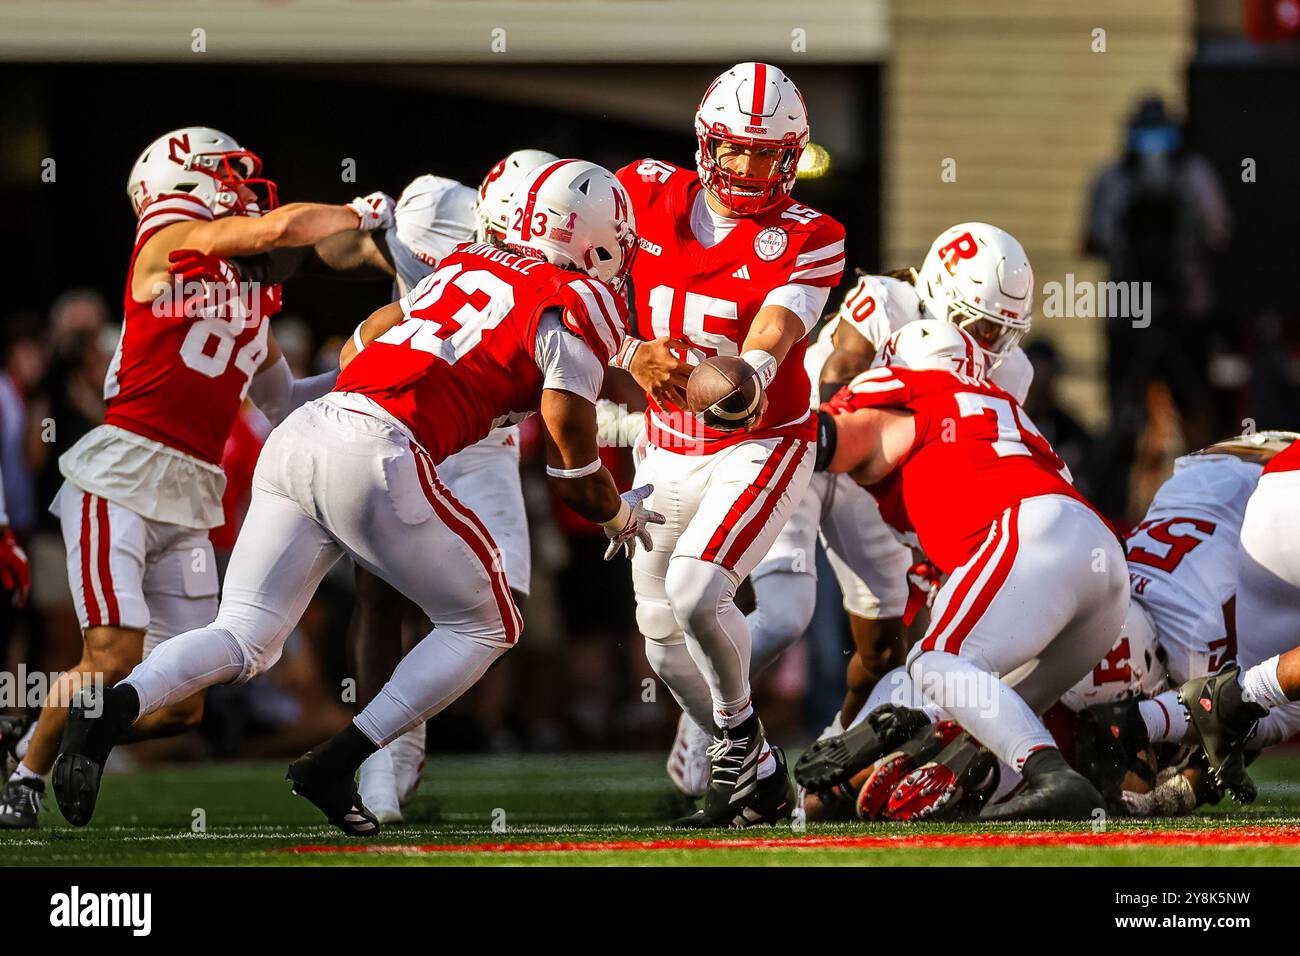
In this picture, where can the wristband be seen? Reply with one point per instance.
(582, 472)
(618, 523)
(623, 358)
(764, 363)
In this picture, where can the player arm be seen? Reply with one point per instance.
(379, 322)
(276, 392)
(354, 254)
(786, 316)
(573, 466)
(852, 355)
(867, 443)
(297, 224)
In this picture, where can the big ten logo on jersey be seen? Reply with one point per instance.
(449, 312)
(963, 247)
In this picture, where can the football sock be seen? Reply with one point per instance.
(1166, 719)
(24, 772)
(25, 741)
(785, 601)
(676, 668)
(1259, 685)
(184, 665)
(986, 708)
(701, 594)
(438, 670)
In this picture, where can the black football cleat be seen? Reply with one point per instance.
(20, 804)
(926, 742)
(938, 790)
(833, 760)
(1052, 791)
(736, 796)
(95, 724)
(11, 731)
(333, 793)
(1224, 722)
(1109, 743)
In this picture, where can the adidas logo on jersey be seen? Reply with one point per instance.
(742, 272)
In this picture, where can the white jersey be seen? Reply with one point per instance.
(1182, 557)
(432, 217)
(877, 307)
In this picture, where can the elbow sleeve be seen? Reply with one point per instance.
(826, 439)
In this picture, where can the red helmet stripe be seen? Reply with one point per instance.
(526, 227)
(760, 94)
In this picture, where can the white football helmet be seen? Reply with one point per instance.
(977, 276)
(496, 192)
(575, 214)
(204, 163)
(933, 344)
(751, 105)
(1142, 673)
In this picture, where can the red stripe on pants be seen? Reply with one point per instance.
(991, 586)
(754, 526)
(463, 524)
(105, 569)
(745, 501)
(87, 584)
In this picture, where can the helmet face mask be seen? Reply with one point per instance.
(235, 169)
(977, 277)
(205, 164)
(752, 107)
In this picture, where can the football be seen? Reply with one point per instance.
(724, 391)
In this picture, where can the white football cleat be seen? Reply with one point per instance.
(408, 761)
(688, 761)
(377, 787)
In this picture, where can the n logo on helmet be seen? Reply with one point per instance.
(963, 247)
(181, 143)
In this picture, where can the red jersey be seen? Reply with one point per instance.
(1288, 459)
(464, 357)
(708, 296)
(976, 453)
(185, 358)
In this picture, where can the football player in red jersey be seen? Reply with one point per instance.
(491, 336)
(728, 264)
(143, 489)
(1037, 586)
(431, 218)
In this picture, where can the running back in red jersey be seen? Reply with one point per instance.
(707, 296)
(185, 358)
(465, 357)
(976, 453)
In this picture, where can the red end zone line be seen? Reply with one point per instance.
(1235, 836)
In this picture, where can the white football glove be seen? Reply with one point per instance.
(375, 211)
(628, 527)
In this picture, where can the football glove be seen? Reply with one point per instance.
(14, 575)
(375, 211)
(628, 527)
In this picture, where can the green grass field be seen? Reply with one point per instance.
(598, 810)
